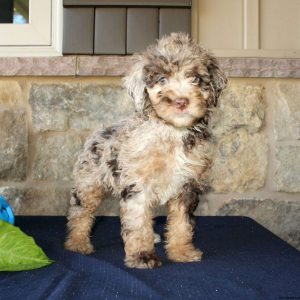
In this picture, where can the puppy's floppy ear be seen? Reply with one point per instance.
(135, 84)
(217, 76)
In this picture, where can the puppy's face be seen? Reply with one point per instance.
(177, 79)
(179, 95)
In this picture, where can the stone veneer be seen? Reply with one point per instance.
(256, 133)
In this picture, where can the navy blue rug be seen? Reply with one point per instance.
(242, 260)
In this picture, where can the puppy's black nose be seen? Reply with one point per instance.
(181, 103)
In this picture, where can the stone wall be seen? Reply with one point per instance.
(256, 171)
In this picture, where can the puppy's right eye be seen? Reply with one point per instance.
(162, 80)
(196, 80)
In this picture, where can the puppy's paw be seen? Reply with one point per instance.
(81, 247)
(143, 260)
(184, 254)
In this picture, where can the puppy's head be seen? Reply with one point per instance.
(177, 79)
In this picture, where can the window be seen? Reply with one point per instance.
(41, 36)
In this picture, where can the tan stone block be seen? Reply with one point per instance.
(240, 106)
(240, 162)
(77, 106)
(10, 92)
(287, 111)
(55, 156)
(287, 173)
(13, 144)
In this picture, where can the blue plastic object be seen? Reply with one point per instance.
(6, 212)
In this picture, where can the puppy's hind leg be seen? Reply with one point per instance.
(84, 202)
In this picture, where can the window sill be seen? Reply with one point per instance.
(111, 65)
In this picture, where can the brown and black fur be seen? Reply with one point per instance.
(159, 156)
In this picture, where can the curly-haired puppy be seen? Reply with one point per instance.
(159, 156)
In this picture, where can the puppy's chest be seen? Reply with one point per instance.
(163, 164)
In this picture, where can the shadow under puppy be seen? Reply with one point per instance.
(159, 156)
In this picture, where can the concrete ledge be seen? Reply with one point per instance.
(113, 65)
(38, 66)
(103, 65)
(261, 67)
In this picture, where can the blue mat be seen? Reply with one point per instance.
(242, 261)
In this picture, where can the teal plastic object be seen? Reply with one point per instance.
(6, 212)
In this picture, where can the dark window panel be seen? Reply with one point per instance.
(142, 28)
(78, 31)
(6, 11)
(110, 31)
(174, 20)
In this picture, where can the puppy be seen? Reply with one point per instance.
(159, 156)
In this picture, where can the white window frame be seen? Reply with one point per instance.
(42, 36)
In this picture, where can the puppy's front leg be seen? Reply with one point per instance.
(137, 233)
(180, 226)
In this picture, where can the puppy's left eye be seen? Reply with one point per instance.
(162, 80)
(196, 80)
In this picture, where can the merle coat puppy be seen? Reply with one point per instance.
(159, 156)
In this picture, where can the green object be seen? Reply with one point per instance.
(19, 251)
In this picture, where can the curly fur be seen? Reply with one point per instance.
(159, 156)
